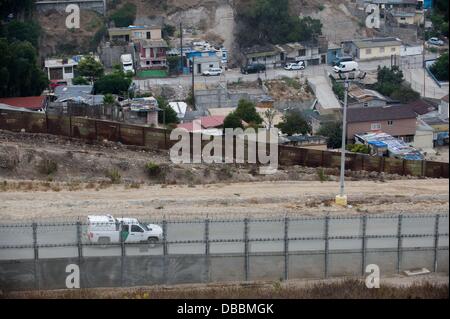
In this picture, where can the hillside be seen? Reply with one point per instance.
(202, 19)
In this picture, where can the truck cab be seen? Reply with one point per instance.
(127, 63)
(107, 229)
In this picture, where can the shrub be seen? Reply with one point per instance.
(322, 176)
(47, 167)
(155, 170)
(358, 148)
(114, 176)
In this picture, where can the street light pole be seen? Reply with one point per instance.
(341, 199)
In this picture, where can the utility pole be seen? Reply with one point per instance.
(181, 48)
(423, 59)
(193, 81)
(341, 199)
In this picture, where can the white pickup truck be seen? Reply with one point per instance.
(106, 229)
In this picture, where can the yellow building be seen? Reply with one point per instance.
(374, 48)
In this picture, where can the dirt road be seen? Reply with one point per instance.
(256, 199)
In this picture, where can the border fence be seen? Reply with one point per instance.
(156, 138)
(35, 255)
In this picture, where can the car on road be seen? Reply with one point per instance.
(344, 67)
(344, 58)
(253, 68)
(105, 229)
(212, 72)
(435, 41)
(295, 66)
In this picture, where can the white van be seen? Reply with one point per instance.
(107, 229)
(127, 63)
(348, 66)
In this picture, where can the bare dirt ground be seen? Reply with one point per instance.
(82, 183)
(258, 199)
(432, 286)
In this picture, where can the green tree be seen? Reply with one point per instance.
(174, 64)
(294, 123)
(246, 111)
(338, 89)
(109, 99)
(124, 16)
(388, 79)
(23, 31)
(167, 112)
(262, 21)
(233, 121)
(19, 71)
(333, 132)
(114, 83)
(440, 68)
(90, 68)
(405, 94)
(79, 80)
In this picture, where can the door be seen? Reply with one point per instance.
(199, 68)
(136, 233)
(124, 233)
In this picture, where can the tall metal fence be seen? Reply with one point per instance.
(156, 138)
(36, 255)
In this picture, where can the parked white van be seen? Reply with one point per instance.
(348, 66)
(106, 229)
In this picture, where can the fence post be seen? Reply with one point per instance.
(327, 221)
(46, 121)
(436, 242)
(286, 248)
(399, 243)
(36, 256)
(96, 130)
(164, 227)
(143, 136)
(122, 254)
(364, 244)
(424, 168)
(206, 239)
(246, 250)
(80, 244)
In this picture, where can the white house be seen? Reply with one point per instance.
(443, 107)
(60, 69)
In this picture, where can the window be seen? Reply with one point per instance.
(211, 65)
(147, 62)
(136, 229)
(390, 122)
(375, 126)
(392, 49)
(149, 35)
(368, 51)
(68, 70)
(365, 104)
(382, 50)
(302, 52)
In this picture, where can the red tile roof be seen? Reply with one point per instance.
(205, 122)
(29, 102)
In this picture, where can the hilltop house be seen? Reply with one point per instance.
(265, 54)
(373, 48)
(313, 53)
(398, 121)
(406, 12)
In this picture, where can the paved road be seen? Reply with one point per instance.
(230, 231)
(233, 75)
